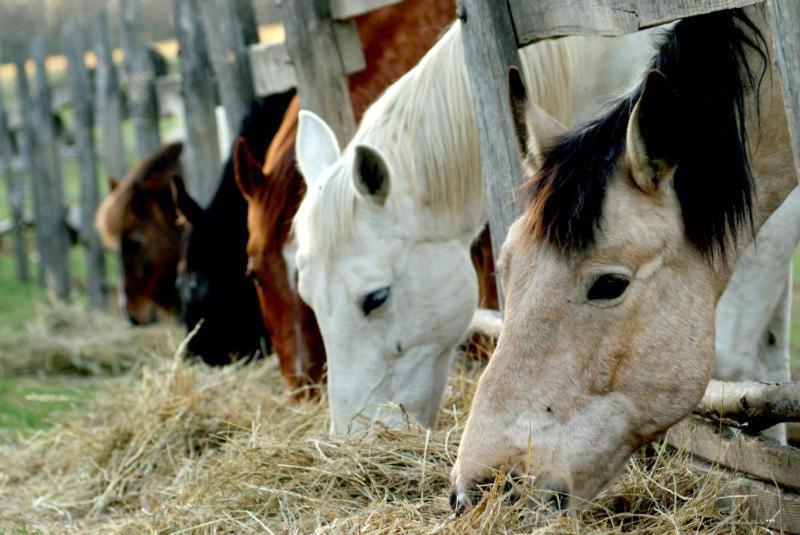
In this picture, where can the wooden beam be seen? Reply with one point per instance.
(346, 9)
(321, 75)
(769, 506)
(785, 17)
(140, 78)
(544, 19)
(753, 405)
(197, 85)
(756, 457)
(225, 37)
(83, 106)
(108, 99)
(15, 195)
(490, 50)
(54, 233)
(272, 67)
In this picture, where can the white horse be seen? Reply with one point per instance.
(384, 232)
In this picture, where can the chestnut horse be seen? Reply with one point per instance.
(612, 275)
(139, 219)
(394, 39)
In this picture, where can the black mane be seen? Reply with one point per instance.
(705, 60)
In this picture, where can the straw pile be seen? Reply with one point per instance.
(185, 448)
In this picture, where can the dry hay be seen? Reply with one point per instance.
(186, 448)
(65, 339)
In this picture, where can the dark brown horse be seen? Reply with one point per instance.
(394, 40)
(139, 219)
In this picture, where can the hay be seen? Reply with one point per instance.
(185, 448)
(65, 339)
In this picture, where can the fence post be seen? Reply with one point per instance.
(226, 43)
(28, 148)
(140, 79)
(199, 100)
(53, 220)
(490, 49)
(785, 21)
(16, 195)
(321, 76)
(246, 15)
(109, 101)
(83, 106)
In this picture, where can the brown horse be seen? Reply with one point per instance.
(139, 219)
(394, 39)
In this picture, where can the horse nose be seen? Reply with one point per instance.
(556, 494)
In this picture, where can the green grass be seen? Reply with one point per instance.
(28, 404)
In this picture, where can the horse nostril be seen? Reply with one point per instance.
(459, 502)
(558, 495)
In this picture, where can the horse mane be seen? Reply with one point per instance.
(425, 127)
(705, 60)
(155, 167)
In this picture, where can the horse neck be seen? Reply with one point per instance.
(425, 125)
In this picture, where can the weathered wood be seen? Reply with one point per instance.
(108, 98)
(201, 158)
(15, 195)
(83, 108)
(246, 15)
(767, 505)
(27, 146)
(346, 9)
(756, 457)
(272, 67)
(544, 19)
(490, 51)
(52, 216)
(140, 79)
(228, 52)
(753, 405)
(786, 36)
(321, 75)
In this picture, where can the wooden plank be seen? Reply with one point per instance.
(767, 505)
(140, 80)
(321, 75)
(83, 108)
(272, 67)
(201, 159)
(15, 195)
(554, 18)
(52, 216)
(785, 18)
(490, 50)
(29, 152)
(346, 9)
(544, 19)
(228, 53)
(759, 458)
(108, 98)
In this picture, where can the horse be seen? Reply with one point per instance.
(394, 39)
(138, 218)
(212, 283)
(385, 230)
(632, 225)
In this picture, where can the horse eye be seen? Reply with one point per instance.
(375, 300)
(607, 287)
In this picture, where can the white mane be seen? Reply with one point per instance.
(425, 127)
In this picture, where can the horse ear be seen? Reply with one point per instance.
(316, 146)
(535, 128)
(187, 206)
(246, 169)
(112, 183)
(651, 147)
(371, 174)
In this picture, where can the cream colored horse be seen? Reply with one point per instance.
(384, 231)
(613, 274)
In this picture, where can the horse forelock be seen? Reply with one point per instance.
(705, 60)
